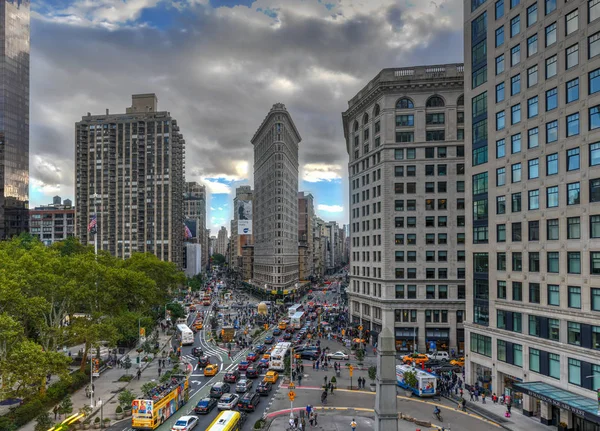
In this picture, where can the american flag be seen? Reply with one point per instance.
(92, 224)
(188, 232)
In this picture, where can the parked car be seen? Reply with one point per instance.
(243, 386)
(232, 376)
(311, 355)
(338, 356)
(249, 401)
(185, 423)
(218, 389)
(264, 388)
(417, 358)
(205, 406)
(252, 372)
(271, 376)
(228, 401)
(243, 366)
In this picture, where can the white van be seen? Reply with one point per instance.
(440, 356)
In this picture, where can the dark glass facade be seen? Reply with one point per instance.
(14, 116)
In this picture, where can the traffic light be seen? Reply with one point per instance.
(350, 369)
(291, 395)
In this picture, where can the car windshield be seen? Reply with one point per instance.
(203, 403)
(227, 398)
(181, 423)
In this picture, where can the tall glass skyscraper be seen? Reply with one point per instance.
(14, 116)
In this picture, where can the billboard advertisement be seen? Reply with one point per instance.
(244, 216)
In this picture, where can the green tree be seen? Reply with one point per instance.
(43, 422)
(218, 259)
(177, 311)
(410, 378)
(66, 406)
(126, 397)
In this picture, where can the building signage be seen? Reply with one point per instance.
(583, 413)
(244, 216)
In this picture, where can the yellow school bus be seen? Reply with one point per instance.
(227, 420)
(165, 400)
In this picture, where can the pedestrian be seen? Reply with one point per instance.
(159, 371)
(353, 424)
(331, 388)
(508, 407)
(311, 419)
(303, 423)
(295, 421)
(314, 364)
(483, 397)
(139, 373)
(55, 410)
(325, 382)
(299, 379)
(315, 416)
(317, 365)
(472, 393)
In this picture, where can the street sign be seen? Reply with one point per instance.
(142, 332)
(291, 386)
(350, 369)
(291, 395)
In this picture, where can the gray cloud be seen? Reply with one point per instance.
(219, 71)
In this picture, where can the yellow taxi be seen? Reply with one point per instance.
(417, 358)
(282, 325)
(460, 362)
(267, 356)
(198, 325)
(271, 377)
(211, 370)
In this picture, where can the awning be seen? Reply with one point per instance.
(578, 404)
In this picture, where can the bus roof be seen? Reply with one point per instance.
(183, 328)
(298, 315)
(223, 421)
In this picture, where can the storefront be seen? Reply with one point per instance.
(508, 389)
(407, 339)
(558, 405)
(483, 376)
(437, 339)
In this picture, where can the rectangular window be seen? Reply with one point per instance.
(517, 265)
(399, 154)
(554, 295)
(552, 131)
(532, 138)
(550, 6)
(501, 237)
(399, 291)
(481, 344)
(480, 183)
(499, 36)
(534, 288)
(435, 119)
(499, 9)
(435, 135)
(405, 120)
(516, 202)
(551, 66)
(405, 136)
(595, 300)
(574, 293)
(595, 190)
(573, 228)
(573, 124)
(572, 22)
(501, 350)
(572, 54)
(534, 200)
(500, 205)
(515, 26)
(480, 156)
(552, 229)
(500, 177)
(594, 81)
(554, 366)
(595, 262)
(500, 92)
(593, 14)
(574, 333)
(532, 76)
(532, 107)
(552, 258)
(500, 64)
(516, 173)
(551, 34)
(518, 355)
(534, 230)
(501, 290)
(552, 164)
(500, 120)
(479, 77)
(594, 45)
(551, 99)
(534, 359)
(532, 15)
(515, 85)
(574, 370)
(533, 169)
(573, 194)
(532, 45)
(573, 90)
(594, 117)
(552, 197)
(515, 114)
(500, 148)
(534, 266)
(515, 55)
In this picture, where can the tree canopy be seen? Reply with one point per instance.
(66, 295)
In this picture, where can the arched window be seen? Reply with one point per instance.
(405, 103)
(355, 125)
(435, 102)
(365, 118)
(461, 100)
(376, 111)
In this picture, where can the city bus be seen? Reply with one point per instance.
(294, 309)
(185, 334)
(278, 356)
(165, 399)
(297, 320)
(227, 420)
(426, 382)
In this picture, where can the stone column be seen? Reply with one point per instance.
(386, 411)
(566, 417)
(528, 405)
(545, 413)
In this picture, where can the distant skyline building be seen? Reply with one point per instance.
(222, 241)
(276, 201)
(194, 203)
(54, 222)
(306, 221)
(14, 116)
(130, 172)
(242, 210)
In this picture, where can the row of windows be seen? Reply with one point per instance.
(430, 273)
(410, 292)
(430, 170)
(442, 204)
(430, 153)
(442, 221)
(442, 238)
(411, 188)
(552, 262)
(430, 256)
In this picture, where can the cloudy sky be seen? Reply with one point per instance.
(218, 66)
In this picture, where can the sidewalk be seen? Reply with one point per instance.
(495, 413)
(107, 386)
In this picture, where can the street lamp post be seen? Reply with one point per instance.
(91, 381)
